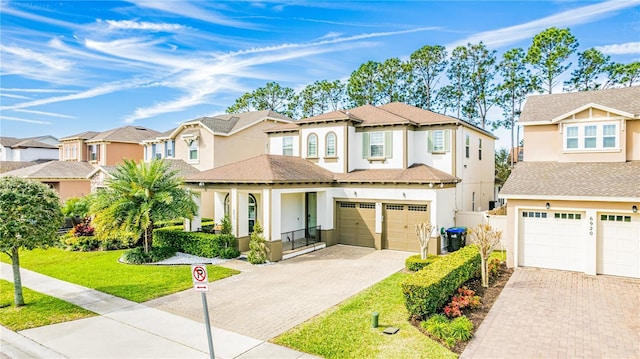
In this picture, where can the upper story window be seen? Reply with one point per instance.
(438, 141)
(94, 152)
(467, 146)
(480, 149)
(377, 144)
(591, 136)
(169, 148)
(287, 146)
(312, 145)
(155, 154)
(331, 144)
(193, 150)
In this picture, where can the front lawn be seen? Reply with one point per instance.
(39, 310)
(103, 272)
(345, 330)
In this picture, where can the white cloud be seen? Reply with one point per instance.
(51, 114)
(511, 34)
(30, 55)
(632, 48)
(2, 94)
(18, 119)
(192, 11)
(36, 90)
(142, 25)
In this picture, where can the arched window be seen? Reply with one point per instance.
(252, 212)
(331, 144)
(227, 212)
(312, 145)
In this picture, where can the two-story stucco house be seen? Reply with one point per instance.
(85, 160)
(363, 177)
(572, 203)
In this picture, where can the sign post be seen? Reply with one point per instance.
(201, 284)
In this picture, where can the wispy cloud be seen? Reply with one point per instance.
(39, 57)
(20, 97)
(37, 90)
(142, 25)
(18, 119)
(44, 113)
(193, 11)
(632, 48)
(511, 34)
(8, 10)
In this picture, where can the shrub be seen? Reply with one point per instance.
(196, 243)
(449, 332)
(416, 263)
(461, 328)
(225, 224)
(494, 267)
(465, 298)
(82, 243)
(83, 229)
(139, 256)
(427, 290)
(257, 246)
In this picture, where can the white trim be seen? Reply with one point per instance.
(570, 198)
(591, 105)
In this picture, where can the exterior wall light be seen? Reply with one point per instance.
(548, 205)
(634, 209)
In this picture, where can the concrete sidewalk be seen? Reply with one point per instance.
(123, 329)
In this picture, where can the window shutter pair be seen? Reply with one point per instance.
(388, 145)
(447, 140)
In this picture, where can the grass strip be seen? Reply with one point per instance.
(345, 330)
(102, 271)
(39, 309)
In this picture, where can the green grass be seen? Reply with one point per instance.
(345, 330)
(103, 272)
(39, 310)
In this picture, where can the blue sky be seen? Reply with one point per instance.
(73, 66)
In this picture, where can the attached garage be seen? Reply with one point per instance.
(618, 242)
(399, 221)
(356, 223)
(554, 240)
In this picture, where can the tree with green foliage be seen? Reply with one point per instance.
(392, 84)
(258, 251)
(503, 165)
(426, 64)
(458, 68)
(623, 74)
(513, 90)
(549, 52)
(591, 64)
(320, 97)
(30, 216)
(482, 90)
(139, 195)
(270, 97)
(363, 85)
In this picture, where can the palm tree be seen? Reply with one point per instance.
(139, 195)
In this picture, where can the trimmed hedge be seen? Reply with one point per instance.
(196, 243)
(416, 263)
(429, 289)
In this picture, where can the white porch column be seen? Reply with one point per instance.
(276, 207)
(266, 213)
(233, 208)
(196, 221)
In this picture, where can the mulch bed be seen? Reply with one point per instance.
(488, 296)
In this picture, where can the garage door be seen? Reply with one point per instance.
(549, 239)
(399, 221)
(618, 245)
(356, 223)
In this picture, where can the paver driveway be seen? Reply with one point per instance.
(265, 301)
(557, 314)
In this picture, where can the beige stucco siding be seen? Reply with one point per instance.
(632, 132)
(116, 152)
(542, 143)
(248, 143)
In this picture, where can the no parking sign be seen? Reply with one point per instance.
(200, 278)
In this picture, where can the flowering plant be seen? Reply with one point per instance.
(465, 298)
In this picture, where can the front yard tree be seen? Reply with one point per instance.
(485, 238)
(138, 196)
(549, 52)
(424, 230)
(30, 216)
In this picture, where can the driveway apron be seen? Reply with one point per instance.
(558, 314)
(265, 301)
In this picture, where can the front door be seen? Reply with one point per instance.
(312, 210)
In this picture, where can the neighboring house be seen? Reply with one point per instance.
(86, 160)
(362, 177)
(43, 148)
(210, 142)
(572, 203)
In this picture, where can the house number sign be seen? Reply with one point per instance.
(591, 226)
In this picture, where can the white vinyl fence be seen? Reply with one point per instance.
(473, 219)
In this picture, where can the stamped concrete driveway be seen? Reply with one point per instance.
(557, 314)
(265, 301)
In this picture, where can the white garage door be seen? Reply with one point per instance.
(619, 245)
(549, 239)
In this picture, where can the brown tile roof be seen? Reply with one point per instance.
(266, 169)
(128, 134)
(6, 166)
(283, 127)
(339, 115)
(416, 114)
(233, 122)
(182, 168)
(82, 136)
(571, 179)
(8, 141)
(24, 143)
(54, 170)
(548, 107)
(417, 173)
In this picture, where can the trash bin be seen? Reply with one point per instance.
(456, 238)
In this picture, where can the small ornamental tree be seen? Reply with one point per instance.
(424, 230)
(30, 216)
(485, 238)
(258, 251)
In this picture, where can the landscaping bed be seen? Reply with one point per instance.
(488, 296)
